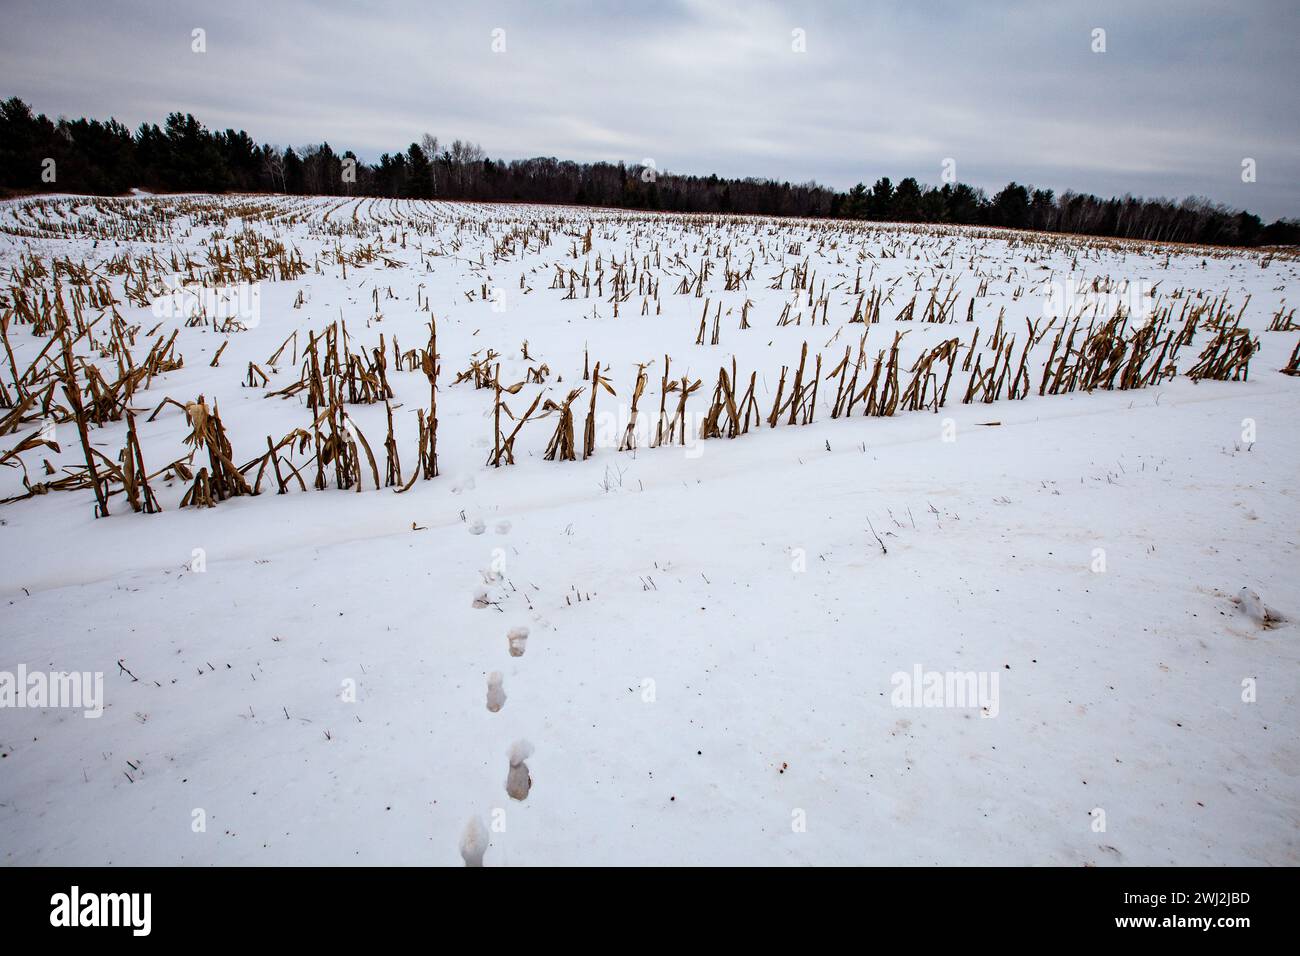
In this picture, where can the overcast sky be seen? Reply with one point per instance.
(1009, 90)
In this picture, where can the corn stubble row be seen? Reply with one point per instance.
(94, 363)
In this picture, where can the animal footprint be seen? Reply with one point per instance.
(503, 527)
(518, 638)
(496, 694)
(477, 526)
(519, 781)
(473, 842)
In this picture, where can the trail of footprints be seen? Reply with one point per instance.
(475, 839)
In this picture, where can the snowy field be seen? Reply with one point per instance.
(883, 625)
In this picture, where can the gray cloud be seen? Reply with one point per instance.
(1009, 90)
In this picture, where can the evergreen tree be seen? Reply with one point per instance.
(419, 173)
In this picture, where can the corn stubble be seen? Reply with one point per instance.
(94, 364)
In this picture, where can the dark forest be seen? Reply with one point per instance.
(106, 158)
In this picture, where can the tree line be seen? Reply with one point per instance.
(105, 158)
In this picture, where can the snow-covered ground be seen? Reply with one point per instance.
(721, 636)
